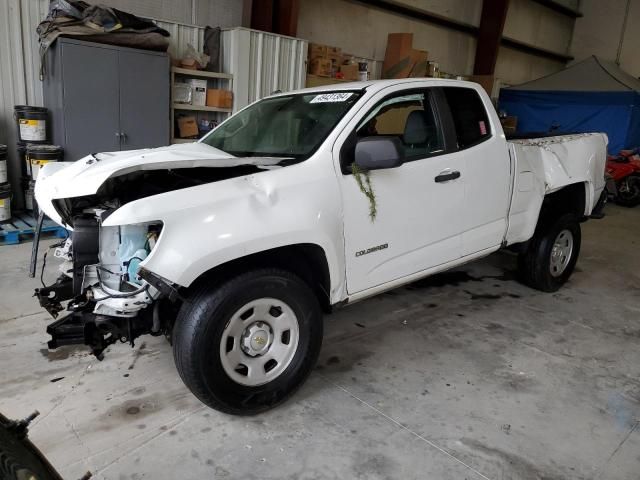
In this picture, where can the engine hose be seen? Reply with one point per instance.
(144, 288)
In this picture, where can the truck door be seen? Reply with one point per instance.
(481, 145)
(419, 206)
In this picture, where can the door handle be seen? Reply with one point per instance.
(446, 176)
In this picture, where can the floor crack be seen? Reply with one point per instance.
(405, 428)
(617, 449)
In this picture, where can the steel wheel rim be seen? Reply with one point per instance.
(561, 253)
(259, 342)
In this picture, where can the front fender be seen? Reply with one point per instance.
(211, 224)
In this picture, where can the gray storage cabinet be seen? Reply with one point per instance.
(104, 98)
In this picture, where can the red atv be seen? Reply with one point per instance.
(625, 173)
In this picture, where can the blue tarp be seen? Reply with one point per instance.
(615, 113)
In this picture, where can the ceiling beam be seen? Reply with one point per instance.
(286, 17)
(275, 16)
(559, 8)
(422, 15)
(262, 15)
(494, 14)
(533, 50)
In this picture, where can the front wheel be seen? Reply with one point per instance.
(552, 254)
(628, 194)
(247, 345)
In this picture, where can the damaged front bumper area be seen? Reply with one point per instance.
(110, 297)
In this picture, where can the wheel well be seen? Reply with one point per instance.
(308, 261)
(569, 199)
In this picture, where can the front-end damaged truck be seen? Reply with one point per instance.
(233, 247)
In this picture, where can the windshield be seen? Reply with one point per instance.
(291, 126)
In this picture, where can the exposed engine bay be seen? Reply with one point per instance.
(110, 296)
(100, 276)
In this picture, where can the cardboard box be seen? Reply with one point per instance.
(509, 124)
(219, 98)
(189, 64)
(187, 126)
(320, 67)
(199, 92)
(420, 64)
(315, 81)
(396, 57)
(335, 55)
(401, 60)
(349, 72)
(317, 51)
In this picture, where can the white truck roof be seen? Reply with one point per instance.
(376, 85)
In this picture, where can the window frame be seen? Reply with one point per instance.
(445, 124)
(449, 113)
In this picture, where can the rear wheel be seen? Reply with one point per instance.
(628, 194)
(246, 346)
(552, 254)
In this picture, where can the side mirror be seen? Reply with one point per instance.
(375, 153)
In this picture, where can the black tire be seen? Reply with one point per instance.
(198, 333)
(535, 264)
(628, 194)
(19, 458)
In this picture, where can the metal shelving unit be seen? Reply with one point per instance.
(185, 72)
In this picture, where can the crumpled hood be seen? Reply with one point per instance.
(67, 180)
(85, 176)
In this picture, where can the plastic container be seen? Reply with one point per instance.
(28, 186)
(39, 155)
(3, 164)
(5, 202)
(363, 71)
(31, 123)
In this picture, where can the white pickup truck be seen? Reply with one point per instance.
(234, 246)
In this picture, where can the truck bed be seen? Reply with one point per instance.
(547, 164)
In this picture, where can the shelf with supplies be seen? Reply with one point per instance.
(187, 118)
(198, 108)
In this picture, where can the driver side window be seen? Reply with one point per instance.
(410, 117)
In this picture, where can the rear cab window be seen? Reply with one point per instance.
(469, 116)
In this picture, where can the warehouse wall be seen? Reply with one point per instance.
(222, 13)
(536, 25)
(593, 36)
(362, 31)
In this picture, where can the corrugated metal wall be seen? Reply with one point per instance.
(19, 66)
(262, 63)
(181, 36)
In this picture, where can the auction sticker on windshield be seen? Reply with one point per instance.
(331, 97)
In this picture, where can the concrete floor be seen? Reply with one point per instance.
(469, 375)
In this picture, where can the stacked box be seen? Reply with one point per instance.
(219, 98)
(324, 60)
(401, 60)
